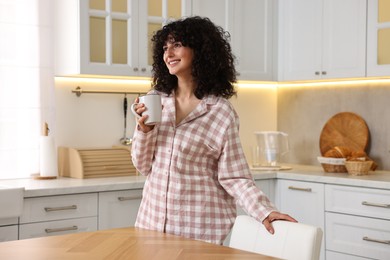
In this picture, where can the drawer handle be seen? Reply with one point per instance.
(129, 198)
(387, 242)
(366, 203)
(301, 189)
(53, 230)
(47, 209)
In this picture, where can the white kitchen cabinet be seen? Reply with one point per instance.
(304, 201)
(250, 24)
(107, 37)
(8, 233)
(358, 221)
(58, 227)
(330, 255)
(321, 39)
(8, 229)
(378, 38)
(55, 215)
(268, 186)
(118, 208)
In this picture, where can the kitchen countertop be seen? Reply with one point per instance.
(62, 186)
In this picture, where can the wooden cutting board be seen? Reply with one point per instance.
(344, 129)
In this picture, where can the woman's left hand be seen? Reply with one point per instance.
(275, 215)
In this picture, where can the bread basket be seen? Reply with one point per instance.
(358, 167)
(332, 164)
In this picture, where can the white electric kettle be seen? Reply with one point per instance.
(271, 145)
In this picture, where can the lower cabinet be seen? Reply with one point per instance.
(58, 227)
(8, 233)
(304, 201)
(357, 223)
(118, 208)
(268, 187)
(57, 215)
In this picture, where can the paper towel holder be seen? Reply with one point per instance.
(37, 176)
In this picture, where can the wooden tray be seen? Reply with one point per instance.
(344, 129)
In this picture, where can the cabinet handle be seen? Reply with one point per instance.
(53, 230)
(143, 69)
(135, 69)
(130, 198)
(301, 189)
(323, 72)
(317, 73)
(387, 242)
(366, 203)
(47, 209)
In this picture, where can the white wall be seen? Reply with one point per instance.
(96, 120)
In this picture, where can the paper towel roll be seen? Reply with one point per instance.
(48, 157)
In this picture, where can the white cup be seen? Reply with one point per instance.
(153, 107)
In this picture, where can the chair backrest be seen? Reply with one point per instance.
(293, 241)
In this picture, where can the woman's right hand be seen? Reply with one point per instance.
(139, 109)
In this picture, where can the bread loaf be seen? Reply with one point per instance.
(338, 152)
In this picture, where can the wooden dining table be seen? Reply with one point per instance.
(121, 243)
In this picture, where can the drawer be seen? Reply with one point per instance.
(59, 227)
(360, 236)
(8, 233)
(118, 208)
(330, 255)
(8, 221)
(49, 208)
(358, 201)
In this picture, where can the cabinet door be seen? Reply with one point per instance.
(218, 11)
(305, 202)
(118, 208)
(268, 187)
(8, 233)
(96, 37)
(344, 39)
(109, 38)
(252, 38)
(322, 39)
(250, 24)
(378, 38)
(360, 236)
(50, 208)
(300, 38)
(58, 227)
(153, 14)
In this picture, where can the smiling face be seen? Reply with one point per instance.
(178, 58)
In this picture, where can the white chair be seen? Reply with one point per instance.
(292, 241)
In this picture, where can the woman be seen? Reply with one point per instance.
(195, 166)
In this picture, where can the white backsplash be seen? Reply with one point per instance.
(303, 111)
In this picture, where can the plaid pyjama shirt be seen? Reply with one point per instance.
(196, 173)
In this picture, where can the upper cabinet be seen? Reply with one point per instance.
(378, 38)
(109, 37)
(321, 39)
(250, 24)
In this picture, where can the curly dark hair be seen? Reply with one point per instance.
(213, 64)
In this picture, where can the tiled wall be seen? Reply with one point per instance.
(303, 111)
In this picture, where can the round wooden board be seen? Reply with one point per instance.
(344, 129)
